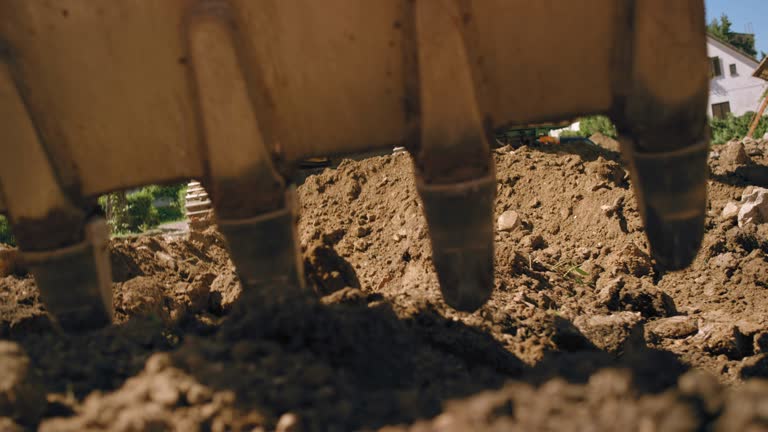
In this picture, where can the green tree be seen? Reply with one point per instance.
(721, 29)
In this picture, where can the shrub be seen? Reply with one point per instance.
(5, 232)
(135, 212)
(177, 194)
(171, 213)
(598, 123)
(571, 133)
(733, 127)
(140, 213)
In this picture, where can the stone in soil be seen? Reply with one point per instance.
(733, 154)
(672, 327)
(730, 211)
(610, 332)
(754, 207)
(508, 221)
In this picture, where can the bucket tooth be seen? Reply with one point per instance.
(671, 190)
(254, 209)
(75, 282)
(460, 218)
(66, 252)
(453, 162)
(265, 248)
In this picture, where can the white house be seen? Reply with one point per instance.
(732, 87)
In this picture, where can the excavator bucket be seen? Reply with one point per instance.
(103, 96)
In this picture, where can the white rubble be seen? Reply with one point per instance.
(754, 207)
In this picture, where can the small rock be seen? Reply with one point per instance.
(508, 221)
(289, 422)
(672, 327)
(724, 338)
(535, 203)
(730, 211)
(726, 261)
(22, 397)
(166, 260)
(733, 153)
(610, 332)
(754, 207)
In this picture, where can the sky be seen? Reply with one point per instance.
(743, 13)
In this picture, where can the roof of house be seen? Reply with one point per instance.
(762, 70)
(712, 38)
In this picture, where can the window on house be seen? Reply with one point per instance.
(733, 69)
(714, 67)
(721, 110)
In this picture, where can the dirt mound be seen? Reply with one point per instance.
(582, 330)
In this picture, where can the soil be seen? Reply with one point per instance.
(583, 332)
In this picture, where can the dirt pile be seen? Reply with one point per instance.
(582, 330)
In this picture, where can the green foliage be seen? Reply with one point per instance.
(5, 232)
(135, 212)
(176, 194)
(598, 123)
(170, 213)
(721, 29)
(732, 127)
(570, 133)
(141, 214)
(171, 191)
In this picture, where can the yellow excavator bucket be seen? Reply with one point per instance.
(102, 96)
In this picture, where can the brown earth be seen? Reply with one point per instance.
(582, 332)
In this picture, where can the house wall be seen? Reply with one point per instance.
(742, 91)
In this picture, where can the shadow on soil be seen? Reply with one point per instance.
(743, 176)
(586, 150)
(363, 365)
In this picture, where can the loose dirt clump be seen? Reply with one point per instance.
(583, 332)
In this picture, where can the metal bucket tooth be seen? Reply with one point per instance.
(460, 218)
(265, 248)
(671, 190)
(75, 282)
